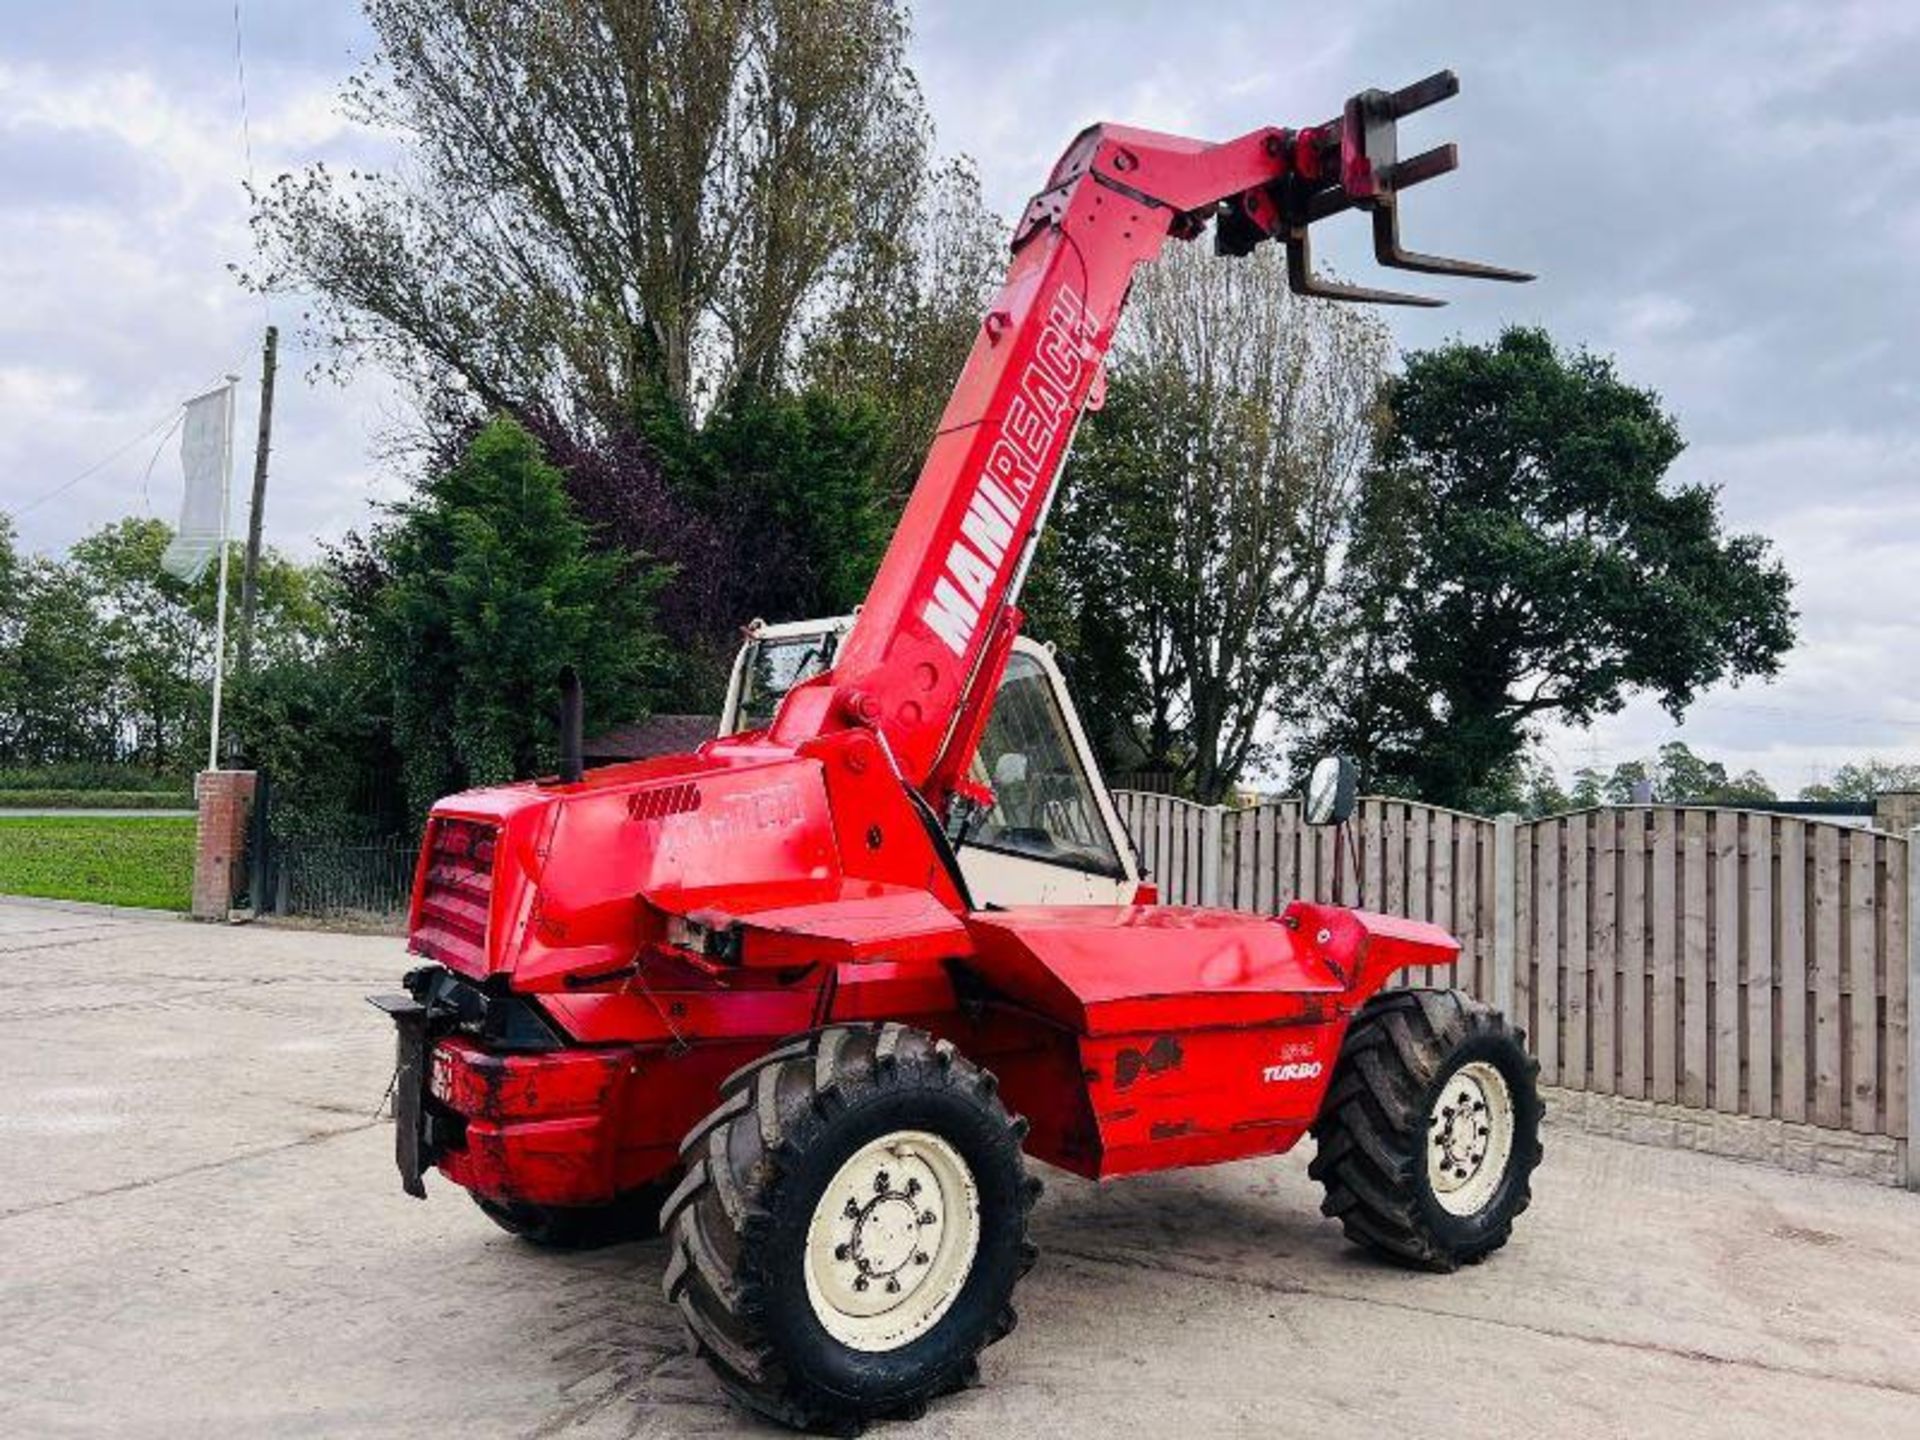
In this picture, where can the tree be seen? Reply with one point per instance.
(12, 621)
(700, 251)
(490, 588)
(1527, 785)
(603, 198)
(1865, 780)
(106, 659)
(1676, 776)
(156, 632)
(10, 579)
(905, 312)
(1189, 577)
(60, 687)
(155, 639)
(319, 722)
(1519, 554)
(792, 485)
(1681, 777)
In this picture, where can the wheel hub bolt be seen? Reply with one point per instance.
(927, 1217)
(852, 1212)
(881, 1183)
(841, 1252)
(913, 1186)
(919, 1257)
(859, 1282)
(893, 1286)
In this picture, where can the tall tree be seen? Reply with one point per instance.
(1675, 776)
(58, 683)
(158, 644)
(1864, 780)
(1520, 554)
(10, 574)
(699, 249)
(903, 312)
(12, 622)
(319, 719)
(489, 589)
(604, 197)
(1197, 532)
(1681, 777)
(156, 632)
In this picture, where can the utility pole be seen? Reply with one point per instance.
(250, 574)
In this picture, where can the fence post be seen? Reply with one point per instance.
(1506, 919)
(1912, 1175)
(1212, 858)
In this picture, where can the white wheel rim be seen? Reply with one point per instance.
(1470, 1138)
(892, 1241)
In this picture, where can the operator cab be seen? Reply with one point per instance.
(1051, 837)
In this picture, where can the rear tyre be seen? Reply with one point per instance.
(634, 1215)
(851, 1226)
(1430, 1132)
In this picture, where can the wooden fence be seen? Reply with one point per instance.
(1727, 960)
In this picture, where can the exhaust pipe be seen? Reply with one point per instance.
(572, 727)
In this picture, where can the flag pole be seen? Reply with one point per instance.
(220, 604)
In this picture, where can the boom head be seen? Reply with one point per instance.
(1352, 163)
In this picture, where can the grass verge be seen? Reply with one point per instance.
(110, 862)
(91, 777)
(94, 800)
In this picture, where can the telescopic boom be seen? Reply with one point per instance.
(925, 656)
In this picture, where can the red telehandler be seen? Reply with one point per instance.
(751, 988)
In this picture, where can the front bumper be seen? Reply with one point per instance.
(530, 1125)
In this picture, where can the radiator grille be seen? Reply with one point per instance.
(453, 905)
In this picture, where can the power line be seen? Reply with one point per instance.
(246, 126)
(240, 71)
(170, 418)
(1812, 714)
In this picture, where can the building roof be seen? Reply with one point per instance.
(655, 735)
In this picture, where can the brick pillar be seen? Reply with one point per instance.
(220, 840)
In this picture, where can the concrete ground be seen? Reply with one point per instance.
(201, 1233)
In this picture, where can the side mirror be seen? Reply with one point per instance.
(1332, 790)
(1010, 769)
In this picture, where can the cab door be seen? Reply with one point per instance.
(1052, 836)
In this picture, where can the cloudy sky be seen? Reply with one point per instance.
(1721, 195)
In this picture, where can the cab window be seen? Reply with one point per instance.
(774, 667)
(1043, 804)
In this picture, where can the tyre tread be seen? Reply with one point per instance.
(768, 1113)
(1370, 1134)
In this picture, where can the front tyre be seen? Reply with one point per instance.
(851, 1226)
(1430, 1132)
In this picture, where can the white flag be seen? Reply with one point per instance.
(203, 461)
